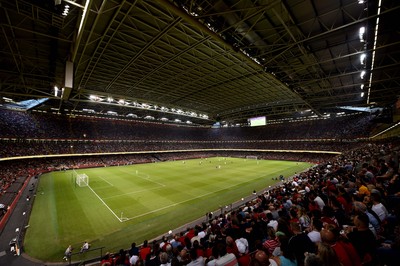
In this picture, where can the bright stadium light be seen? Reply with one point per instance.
(95, 98)
(66, 10)
(362, 58)
(111, 113)
(361, 34)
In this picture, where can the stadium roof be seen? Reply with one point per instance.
(200, 60)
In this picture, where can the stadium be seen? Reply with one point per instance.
(177, 132)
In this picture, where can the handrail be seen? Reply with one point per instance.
(86, 251)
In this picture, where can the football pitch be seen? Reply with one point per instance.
(125, 204)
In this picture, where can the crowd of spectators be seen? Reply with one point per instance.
(25, 134)
(12, 148)
(26, 125)
(342, 212)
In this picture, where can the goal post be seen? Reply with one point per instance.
(81, 180)
(251, 157)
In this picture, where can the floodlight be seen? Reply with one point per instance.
(361, 34)
(362, 58)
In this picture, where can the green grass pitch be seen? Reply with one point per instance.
(150, 198)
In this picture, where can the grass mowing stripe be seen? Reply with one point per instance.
(106, 181)
(147, 178)
(133, 192)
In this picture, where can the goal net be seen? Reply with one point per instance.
(251, 157)
(81, 180)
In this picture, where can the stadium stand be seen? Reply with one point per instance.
(340, 192)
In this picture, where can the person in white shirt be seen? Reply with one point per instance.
(315, 233)
(271, 221)
(378, 207)
(196, 260)
(224, 258)
(68, 252)
(317, 199)
(133, 259)
(85, 247)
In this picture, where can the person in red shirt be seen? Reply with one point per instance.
(144, 250)
(272, 242)
(344, 250)
(107, 260)
(231, 246)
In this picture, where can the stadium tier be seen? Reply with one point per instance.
(25, 134)
(23, 125)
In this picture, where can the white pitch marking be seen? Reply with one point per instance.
(106, 181)
(105, 204)
(172, 205)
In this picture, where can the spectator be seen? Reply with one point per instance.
(225, 258)
(299, 244)
(378, 207)
(328, 255)
(144, 251)
(85, 247)
(362, 238)
(195, 259)
(315, 233)
(344, 250)
(134, 251)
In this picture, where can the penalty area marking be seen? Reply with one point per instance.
(105, 204)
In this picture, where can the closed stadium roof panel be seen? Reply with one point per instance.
(225, 60)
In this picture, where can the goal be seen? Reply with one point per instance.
(82, 180)
(251, 157)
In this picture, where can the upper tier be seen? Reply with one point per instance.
(25, 125)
